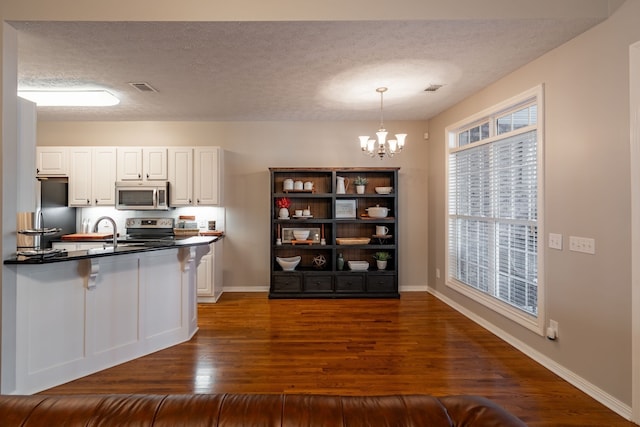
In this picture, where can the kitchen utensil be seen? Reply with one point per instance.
(301, 234)
(342, 184)
(384, 190)
(381, 230)
(288, 264)
(377, 211)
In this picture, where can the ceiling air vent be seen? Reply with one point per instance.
(433, 88)
(142, 86)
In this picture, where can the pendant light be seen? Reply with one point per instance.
(384, 147)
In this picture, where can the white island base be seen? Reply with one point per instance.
(78, 317)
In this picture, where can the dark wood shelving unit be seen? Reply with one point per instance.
(311, 278)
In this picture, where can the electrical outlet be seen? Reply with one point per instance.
(582, 244)
(437, 273)
(555, 241)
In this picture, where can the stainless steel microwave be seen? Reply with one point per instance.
(143, 196)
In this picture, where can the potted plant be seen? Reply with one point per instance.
(283, 203)
(381, 259)
(360, 182)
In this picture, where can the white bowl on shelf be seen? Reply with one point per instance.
(301, 234)
(384, 190)
(358, 265)
(288, 264)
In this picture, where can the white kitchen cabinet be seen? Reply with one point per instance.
(209, 274)
(92, 176)
(142, 164)
(181, 176)
(207, 173)
(52, 161)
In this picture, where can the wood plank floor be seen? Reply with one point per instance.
(250, 344)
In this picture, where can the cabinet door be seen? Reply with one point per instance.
(80, 176)
(52, 161)
(104, 176)
(207, 176)
(181, 176)
(129, 165)
(154, 161)
(205, 277)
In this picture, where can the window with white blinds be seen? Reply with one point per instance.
(493, 195)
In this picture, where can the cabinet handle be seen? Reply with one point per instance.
(96, 201)
(147, 176)
(88, 201)
(37, 170)
(139, 175)
(189, 201)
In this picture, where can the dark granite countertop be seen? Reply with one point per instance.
(122, 249)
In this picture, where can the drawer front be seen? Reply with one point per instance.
(350, 283)
(286, 283)
(318, 284)
(381, 283)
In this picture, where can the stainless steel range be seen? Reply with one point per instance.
(149, 229)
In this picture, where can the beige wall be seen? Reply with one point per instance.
(250, 149)
(587, 184)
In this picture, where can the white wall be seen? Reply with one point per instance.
(587, 193)
(250, 149)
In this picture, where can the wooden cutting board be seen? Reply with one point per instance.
(87, 236)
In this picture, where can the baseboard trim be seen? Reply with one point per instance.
(572, 378)
(247, 289)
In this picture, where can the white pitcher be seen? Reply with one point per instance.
(342, 184)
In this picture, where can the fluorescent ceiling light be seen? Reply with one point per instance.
(69, 98)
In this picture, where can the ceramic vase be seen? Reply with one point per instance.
(381, 264)
(283, 213)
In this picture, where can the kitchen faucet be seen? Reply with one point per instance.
(113, 224)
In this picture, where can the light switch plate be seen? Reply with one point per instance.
(555, 241)
(582, 244)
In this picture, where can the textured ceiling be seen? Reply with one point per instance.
(280, 70)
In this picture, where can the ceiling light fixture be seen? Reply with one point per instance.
(70, 98)
(388, 148)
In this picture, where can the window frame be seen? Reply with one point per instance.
(533, 322)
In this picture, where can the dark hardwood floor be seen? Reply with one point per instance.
(417, 344)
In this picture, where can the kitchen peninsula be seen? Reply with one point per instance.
(84, 311)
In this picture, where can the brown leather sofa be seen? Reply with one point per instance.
(251, 410)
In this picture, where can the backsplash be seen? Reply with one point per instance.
(202, 214)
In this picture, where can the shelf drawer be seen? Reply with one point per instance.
(317, 283)
(350, 283)
(377, 283)
(286, 283)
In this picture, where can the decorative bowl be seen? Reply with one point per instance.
(358, 265)
(288, 264)
(384, 190)
(301, 234)
(377, 212)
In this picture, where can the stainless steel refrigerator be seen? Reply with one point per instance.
(52, 210)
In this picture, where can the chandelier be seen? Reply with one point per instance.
(384, 146)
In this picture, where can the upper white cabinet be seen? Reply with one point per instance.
(52, 161)
(195, 176)
(142, 164)
(92, 176)
(181, 176)
(207, 176)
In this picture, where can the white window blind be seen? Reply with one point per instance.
(493, 229)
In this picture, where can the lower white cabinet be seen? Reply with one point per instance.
(77, 317)
(209, 274)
